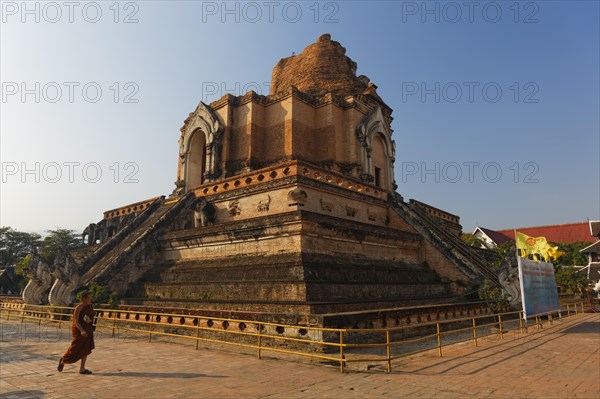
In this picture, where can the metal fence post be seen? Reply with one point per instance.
(150, 330)
(439, 338)
(500, 325)
(197, 332)
(582, 310)
(568, 311)
(474, 332)
(389, 352)
(259, 326)
(8, 314)
(114, 324)
(342, 351)
(520, 322)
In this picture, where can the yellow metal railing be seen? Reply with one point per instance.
(337, 345)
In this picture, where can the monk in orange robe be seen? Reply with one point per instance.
(83, 335)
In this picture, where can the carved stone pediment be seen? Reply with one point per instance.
(373, 122)
(376, 124)
(202, 121)
(205, 119)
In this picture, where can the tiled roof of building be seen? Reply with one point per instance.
(595, 271)
(594, 248)
(496, 236)
(595, 228)
(571, 232)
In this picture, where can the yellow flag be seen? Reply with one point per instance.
(536, 246)
(554, 253)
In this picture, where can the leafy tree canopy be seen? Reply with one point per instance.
(15, 245)
(504, 250)
(58, 239)
(493, 296)
(570, 279)
(571, 255)
(472, 240)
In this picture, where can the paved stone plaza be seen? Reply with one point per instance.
(559, 361)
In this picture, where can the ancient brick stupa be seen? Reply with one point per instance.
(284, 205)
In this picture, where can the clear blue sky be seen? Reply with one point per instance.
(543, 56)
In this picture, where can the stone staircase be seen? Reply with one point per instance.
(119, 266)
(463, 256)
(125, 257)
(93, 263)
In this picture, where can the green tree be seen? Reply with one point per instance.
(493, 297)
(570, 280)
(571, 255)
(58, 239)
(22, 265)
(113, 300)
(15, 245)
(504, 250)
(97, 291)
(472, 240)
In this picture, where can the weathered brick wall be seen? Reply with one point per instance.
(442, 265)
(321, 68)
(288, 128)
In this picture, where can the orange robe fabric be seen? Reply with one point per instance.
(81, 346)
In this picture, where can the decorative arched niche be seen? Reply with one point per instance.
(378, 150)
(200, 148)
(195, 159)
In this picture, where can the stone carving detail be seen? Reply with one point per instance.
(64, 265)
(509, 279)
(66, 271)
(40, 281)
(92, 234)
(297, 197)
(99, 233)
(263, 206)
(204, 213)
(234, 208)
(350, 211)
(180, 141)
(179, 188)
(238, 165)
(367, 178)
(326, 206)
(371, 215)
(348, 168)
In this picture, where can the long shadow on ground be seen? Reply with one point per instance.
(158, 375)
(23, 394)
